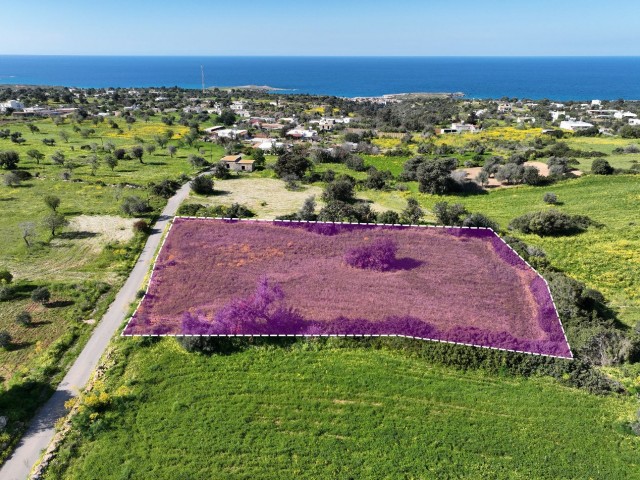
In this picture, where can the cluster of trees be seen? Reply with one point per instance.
(457, 215)
(235, 210)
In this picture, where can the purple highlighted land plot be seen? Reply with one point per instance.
(229, 278)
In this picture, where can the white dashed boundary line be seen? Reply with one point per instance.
(248, 220)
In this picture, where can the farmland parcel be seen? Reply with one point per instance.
(222, 277)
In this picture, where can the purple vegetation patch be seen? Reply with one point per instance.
(230, 278)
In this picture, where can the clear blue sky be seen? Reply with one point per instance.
(321, 27)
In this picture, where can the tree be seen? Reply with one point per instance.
(449, 215)
(119, 153)
(171, 150)
(550, 198)
(41, 295)
(12, 179)
(434, 176)
(150, 149)
(33, 128)
(111, 162)
(308, 210)
(412, 213)
(258, 158)
(202, 185)
(376, 179)
(292, 163)
(601, 167)
(161, 140)
(64, 136)
(5, 339)
(227, 117)
(28, 230)
(35, 155)
(54, 221)
(5, 277)
(137, 152)
(52, 202)
(58, 158)
(9, 159)
(531, 176)
(340, 190)
(134, 206)
(510, 173)
(220, 170)
(354, 162)
(482, 178)
(24, 319)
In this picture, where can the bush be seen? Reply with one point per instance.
(6, 293)
(5, 339)
(135, 206)
(165, 189)
(5, 277)
(389, 217)
(356, 163)
(550, 198)
(41, 295)
(202, 185)
(24, 318)
(480, 220)
(551, 222)
(434, 176)
(379, 255)
(601, 167)
(141, 226)
(237, 210)
(9, 159)
(190, 209)
(450, 215)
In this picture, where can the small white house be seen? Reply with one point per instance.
(634, 121)
(12, 104)
(575, 125)
(622, 115)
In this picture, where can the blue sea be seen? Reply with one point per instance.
(558, 78)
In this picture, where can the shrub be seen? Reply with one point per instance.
(141, 226)
(550, 198)
(412, 213)
(165, 189)
(601, 167)
(6, 293)
(480, 220)
(389, 217)
(11, 179)
(24, 318)
(5, 277)
(550, 222)
(237, 210)
(135, 206)
(190, 209)
(5, 339)
(9, 159)
(41, 295)
(449, 214)
(379, 255)
(202, 185)
(356, 163)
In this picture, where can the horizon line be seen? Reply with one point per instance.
(160, 55)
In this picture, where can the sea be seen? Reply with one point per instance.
(556, 78)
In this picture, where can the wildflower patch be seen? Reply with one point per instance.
(220, 277)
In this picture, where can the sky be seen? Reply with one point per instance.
(322, 27)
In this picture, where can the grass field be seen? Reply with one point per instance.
(606, 258)
(606, 145)
(84, 265)
(339, 413)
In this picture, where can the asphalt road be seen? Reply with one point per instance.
(41, 429)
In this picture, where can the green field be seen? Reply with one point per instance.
(86, 263)
(606, 145)
(606, 258)
(305, 412)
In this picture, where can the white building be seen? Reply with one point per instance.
(12, 104)
(574, 125)
(596, 103)
(556, 114)
(302, 134)
(634, 121)
(621, 115)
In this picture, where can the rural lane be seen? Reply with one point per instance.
(42, 427)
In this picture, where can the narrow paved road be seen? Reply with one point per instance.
(41, 429)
